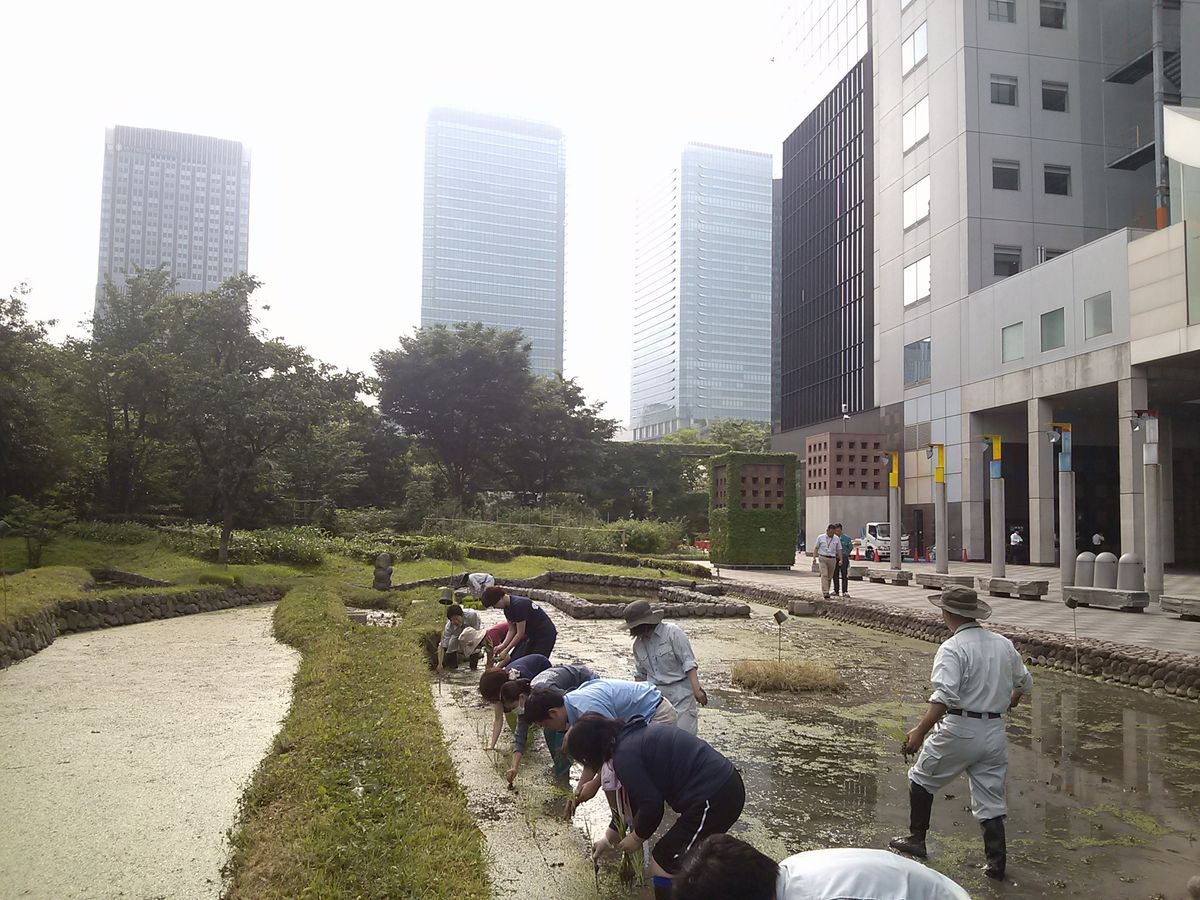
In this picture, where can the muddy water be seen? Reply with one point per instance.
(1104, 782)
(123, 753)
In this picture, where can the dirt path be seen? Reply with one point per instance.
(123, 753)
(1104, 790)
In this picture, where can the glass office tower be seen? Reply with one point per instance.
(702, 294)
(495, 199)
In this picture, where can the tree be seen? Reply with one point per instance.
(38, 525)
(453, 390)
(32, 428)
(740, 435)
(556, 441)
(240, 396)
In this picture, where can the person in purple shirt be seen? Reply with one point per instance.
(529, 628)
(659, 765)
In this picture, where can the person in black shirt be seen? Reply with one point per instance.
(657, 765)
(529, 628)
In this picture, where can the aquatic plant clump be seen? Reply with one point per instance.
(786, 675)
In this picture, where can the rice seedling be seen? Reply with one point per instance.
(786, 675)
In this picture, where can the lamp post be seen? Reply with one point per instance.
(780, 618)
(1066, 503)
(896, 553)
(941, 527)
(1152, 478)
(996, 479)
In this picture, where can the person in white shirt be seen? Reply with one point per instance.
(722, 867)
(829, 557)
(977, 676)
(1014, 545)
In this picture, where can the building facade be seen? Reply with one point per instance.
(176, 200)
(702, 294)
(495, 228)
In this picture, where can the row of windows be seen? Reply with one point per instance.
(1006, 261)
(1097, 322)
(1053, 12)
(1054, 93)
(1006, 176)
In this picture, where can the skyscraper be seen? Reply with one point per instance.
(179, 200)
(702, 294)
(495, 223)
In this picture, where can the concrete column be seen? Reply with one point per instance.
(894, 508)
(1131, 395)
(1166, 468)
(1041, 483)
(1066, 533)
(999, 538)
(1152, 482)
(974, 487)
(941, 527)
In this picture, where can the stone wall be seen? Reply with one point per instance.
(1174, 673)
(129, 579)
(26, 636)
(680, 604)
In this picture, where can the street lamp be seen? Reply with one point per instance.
(780, 617)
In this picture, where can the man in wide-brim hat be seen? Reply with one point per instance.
(977, 676)
(662, 655)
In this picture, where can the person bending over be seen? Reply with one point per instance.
(491, 681)
(658, 765)
(513, 695)
(529, 628)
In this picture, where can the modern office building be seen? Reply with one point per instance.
(702, 294)
(1019, 166)
(495, 223)
(175, 200)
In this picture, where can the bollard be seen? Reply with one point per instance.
(1106, 571)
(1131, 575)
(383, 572)
(1085, 569)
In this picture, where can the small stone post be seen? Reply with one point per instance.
(383, 572)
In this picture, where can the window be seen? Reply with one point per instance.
(1097, 315)
(916, 281)
(1058, 180)
(1054, 13)
(916, 362)
(1054, 96)
(1012, 342)
(1004, 90)
(1006, 175)
(916, 203)
(1049, 253)
(1006, 261)
(1002, 10)
(916, 123)
(1054, 329)
(914, 49)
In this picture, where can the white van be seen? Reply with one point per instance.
(876, 544)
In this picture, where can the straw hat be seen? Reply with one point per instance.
(469, 640)
(640, 612)
(962, 601)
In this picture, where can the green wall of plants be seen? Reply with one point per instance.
(752, 537)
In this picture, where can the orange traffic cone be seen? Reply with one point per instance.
(965, 555)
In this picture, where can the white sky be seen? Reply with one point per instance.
(332, 101)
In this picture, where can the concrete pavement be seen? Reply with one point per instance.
(1150, 628)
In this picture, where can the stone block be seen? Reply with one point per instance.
(1012, 587)
(1108, 598)
(939, 582)
(889, 576)
(1185, 607)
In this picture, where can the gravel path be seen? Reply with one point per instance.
(123, 753)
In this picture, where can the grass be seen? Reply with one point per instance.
(788, 675)
(359, 797)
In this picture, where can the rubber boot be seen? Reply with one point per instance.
(662, 888)
(994, 847)
(920, 806)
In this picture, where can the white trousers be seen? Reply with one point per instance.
(687, 709)
(977, 746)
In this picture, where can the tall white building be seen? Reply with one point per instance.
(175, 200)
(702, 294)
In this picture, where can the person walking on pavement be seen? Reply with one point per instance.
(1014, 546)
(662, 656)
(843, 568)
(829, 557)
(977, 676)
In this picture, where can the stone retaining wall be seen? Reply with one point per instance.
(683, 604)
(1174, 673)
(26, 636)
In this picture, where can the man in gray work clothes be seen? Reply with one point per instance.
(662, 655)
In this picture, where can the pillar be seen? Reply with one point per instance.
(1152, 482)
(999, 538)
(1041, 483)
(941, 527)
(1166, 469)
(894, 508)
(1131, 395)
(974, 487)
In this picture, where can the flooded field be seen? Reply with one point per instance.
(1104, 782)
(123, 753)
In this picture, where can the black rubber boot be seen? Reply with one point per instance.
(662, 891)
(994, 847)
(920, 806)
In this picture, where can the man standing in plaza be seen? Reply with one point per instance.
(843, 568)
(977, 676)
(829, 557)
(662, 655)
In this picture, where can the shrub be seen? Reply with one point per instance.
(443, 547)
(122, 533)
(368, 520)
(220, 578)
(39, 525)
(647, 537)
(788, 675)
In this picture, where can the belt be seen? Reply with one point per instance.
(972, 715)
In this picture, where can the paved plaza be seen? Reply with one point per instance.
(1150, 628)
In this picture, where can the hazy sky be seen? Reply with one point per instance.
(332, 101)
